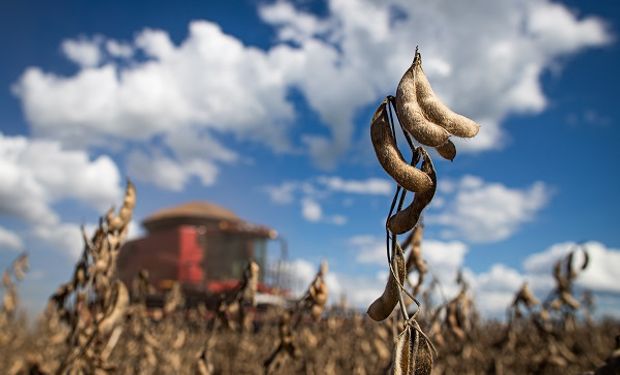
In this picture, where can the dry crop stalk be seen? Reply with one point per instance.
(10, 300)
(612, 363)
(315, 298)
(523, 297)
(414, 259)
(240, 300)
(140, 333)
(564, 274)
(100, 299)
(423, 117)
(286, 347)
(458, 312)
(313, 302)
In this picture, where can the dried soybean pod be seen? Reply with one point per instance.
(117, 310)
(415, 255)
(568, 299)
(404, 355)
(382, 307)
(130, 195)
(406, 219)
(586, 260)
(435, 110)
(447, 150)
(569, 266)
(424, 357)
(410, 114)
(392, 161)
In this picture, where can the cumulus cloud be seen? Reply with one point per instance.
(340, 63)
(292, 24)
(311, 191)
(484, 78)
(283, 193)
(323, 186)
(84, 52)
(378, 186)
(312, 211)
(63, 237)
(369, 249)
(181, 94)
(168, 173)
(494, 289)
(445, 258)
(36, 174)
(481, 211)
(119, 49)
(9, 240)
(211, 79)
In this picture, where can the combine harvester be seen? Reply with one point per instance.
(204, 248)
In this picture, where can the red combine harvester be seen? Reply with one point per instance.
(205, 248)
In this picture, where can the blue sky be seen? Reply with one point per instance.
(264, 107)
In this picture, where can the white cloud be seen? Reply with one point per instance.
(323, 186)
(134, 231)
(182, 94)
(444, 260)
(10, 240)
(377, 186)
(86, 53)
(480, 211)
(63, 237)
(191, 144)
(311, 210)
(369, 249)
(311, 191)
(338, 219)
(36, 174)
(484, 78)
(360, 291)
(283, 193)
(494, 289)
(340, 63)
(170, 174)
(292, 24)
(118, 49)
